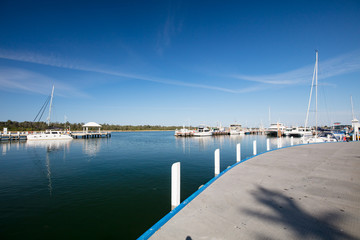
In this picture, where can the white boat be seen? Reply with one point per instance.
(288, 131)
(275, 129)
(299, 132)
(49, 135)
(236, 129)
(203, 131)
(183, 132)
(322, 136)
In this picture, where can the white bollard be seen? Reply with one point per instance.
(328, 137)
(238, 153)
(254, 147)
(217, 162)
(292, 141)
(267, 144)
(278, 142)
(175, 185)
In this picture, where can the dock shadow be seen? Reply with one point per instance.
(289, 215)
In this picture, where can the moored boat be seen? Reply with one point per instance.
(322, 138)
(275, 129)
(300, 132)
(203, 131)
(49, 135)
(183, 132)
(236, 129)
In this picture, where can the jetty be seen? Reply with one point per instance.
(190, 133)
(84, 135)
(301, 192)
(22, 136)
(18, 136)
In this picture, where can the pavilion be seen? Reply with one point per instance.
(91, 125)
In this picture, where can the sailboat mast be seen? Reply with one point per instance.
(311, 90)
(352, 108)
(269, 117)
(316, 91)
(52, 95)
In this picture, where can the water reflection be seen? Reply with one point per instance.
(50, 147)
(204, 143)
(236, 138)
(280, 142)
(92, 146)
(7, 146)
(186, 143)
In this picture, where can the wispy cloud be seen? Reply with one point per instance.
(57, 62)
(170, 28)
(21, 79)
(16, 79)
(329, 68)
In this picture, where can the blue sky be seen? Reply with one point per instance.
(179, 62)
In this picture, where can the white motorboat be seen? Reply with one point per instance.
(236, 129)
(288, 131)
(299, 132)
(275, 129)
(321, 138)
(49, 135)
(203, 131)
(183, 132)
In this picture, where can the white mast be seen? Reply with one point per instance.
(352, 108)
(316, 82)
(312, 86)
(52, 95)
(269, 117)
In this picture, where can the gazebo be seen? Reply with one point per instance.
(91, 125)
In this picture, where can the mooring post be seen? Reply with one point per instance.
(292, 141)
(268, 144)
(279, 142)
(217, 161)
(175, 185)
(238, 153)
(254, 147)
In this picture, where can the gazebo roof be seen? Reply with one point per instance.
(92, 124)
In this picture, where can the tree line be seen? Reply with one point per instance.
(41, 126)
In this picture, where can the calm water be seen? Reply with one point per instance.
(112, 188)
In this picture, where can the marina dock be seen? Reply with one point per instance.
(252, 131)
(22, 136)
(13, 136)
(85, 135)
(302, 192)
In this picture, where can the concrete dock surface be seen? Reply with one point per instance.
(302, 192)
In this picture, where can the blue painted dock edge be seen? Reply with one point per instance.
(172, 213)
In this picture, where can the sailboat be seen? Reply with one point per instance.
(49, 134)
(323, 136)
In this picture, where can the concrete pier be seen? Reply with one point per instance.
(302, 192)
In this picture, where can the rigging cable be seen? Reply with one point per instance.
(42, 109)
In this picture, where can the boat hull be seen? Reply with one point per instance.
(202, 134)
(42, 137)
